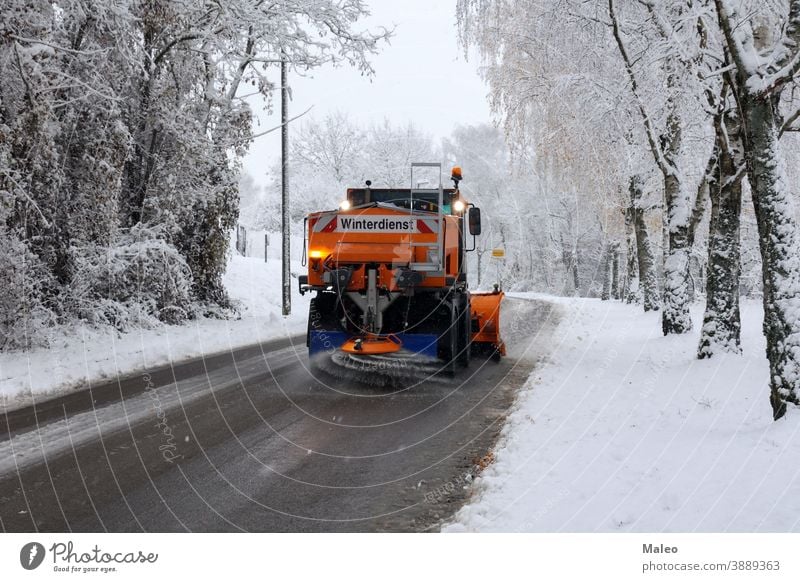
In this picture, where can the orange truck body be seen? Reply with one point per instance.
(388, 270)
(329, 241)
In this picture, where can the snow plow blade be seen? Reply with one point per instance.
(486, 323)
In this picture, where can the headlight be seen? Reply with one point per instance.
(459, 206)
(345, 205)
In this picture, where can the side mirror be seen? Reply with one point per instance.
(474, 220)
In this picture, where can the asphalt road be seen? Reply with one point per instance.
(253, 441)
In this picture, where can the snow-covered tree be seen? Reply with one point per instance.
(666, 140)
(124, 124)
(334, 153)
(565, 103)
(508, 197)
(764, 69)
(721, 322)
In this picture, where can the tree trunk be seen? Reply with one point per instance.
(576, 282)
(779, 244)
(772, 200)
(631, 290)
(139, 166)
(675, 317)
(699, 207)
(666, 150)
(608, 274)
(721, 322)
(570, 262)
(615, 287)
(644, 251)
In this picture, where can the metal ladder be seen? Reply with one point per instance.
(436, 265)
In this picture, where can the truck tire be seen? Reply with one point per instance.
(449, 341)
(321, 317)
(465, 334)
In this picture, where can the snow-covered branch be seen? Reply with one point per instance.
(58, 48)
(788, 124)
(652, 139)
(785, 62)
(739, 37)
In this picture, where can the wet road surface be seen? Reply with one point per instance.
(254, 441)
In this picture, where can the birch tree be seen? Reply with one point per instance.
(567, 101)
(721, 329)
(762, 75)
(665, 146)
(705, 67)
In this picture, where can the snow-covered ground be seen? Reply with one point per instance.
(86, 355)
(623, 429)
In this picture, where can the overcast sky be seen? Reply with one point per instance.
(421, 76)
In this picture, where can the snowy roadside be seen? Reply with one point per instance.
(625, 430)
(89, 355)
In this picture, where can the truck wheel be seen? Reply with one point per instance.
(313, 315)
(321, 317)
(464, 336)
(450, 339)
(452, 364)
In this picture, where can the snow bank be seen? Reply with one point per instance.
(88, 355)
(625, 430)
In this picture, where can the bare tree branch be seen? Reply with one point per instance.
(270, 130)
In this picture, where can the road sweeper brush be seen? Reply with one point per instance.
(388, 270)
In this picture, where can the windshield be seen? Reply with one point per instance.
(400, 197)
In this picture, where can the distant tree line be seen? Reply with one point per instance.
(549, 246)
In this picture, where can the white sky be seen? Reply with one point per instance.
(421, 76)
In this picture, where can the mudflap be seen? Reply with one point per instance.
(486, 324)
(322, 342)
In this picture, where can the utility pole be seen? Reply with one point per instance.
(285, 223)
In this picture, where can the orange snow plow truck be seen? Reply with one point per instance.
(388, 270)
